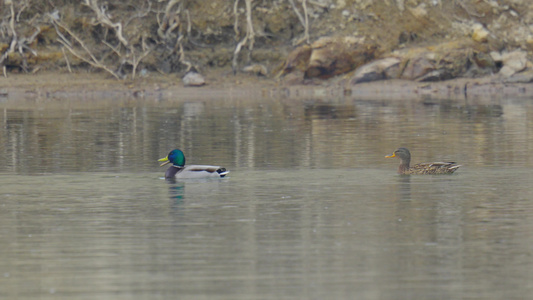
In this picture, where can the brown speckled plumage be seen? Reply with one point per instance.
(423, 168)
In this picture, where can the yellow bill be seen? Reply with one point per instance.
(164, 160)
(389, 156)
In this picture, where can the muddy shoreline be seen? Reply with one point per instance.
(98, 86)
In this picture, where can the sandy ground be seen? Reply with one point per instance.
(57, 84)
(224, 83)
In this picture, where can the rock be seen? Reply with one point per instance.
(496, 56)
(256, 69)
(420, 11)
(297, 60)
(400, 4)
(522, 77)
(479, 33)
(435, 75)
(445, 61)
(381, 69)
(516, 60)
(506, 71)
(193, 79)
(483, 65)
(484, 61)
(332, 56)
(529, 40)
(418, 66)
(294, 78)
(512, 62)
(329, 56)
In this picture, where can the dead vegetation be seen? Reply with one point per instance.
(123, 38)
(131, 38)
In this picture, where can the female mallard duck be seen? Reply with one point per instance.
(179, 170)
(421, 169)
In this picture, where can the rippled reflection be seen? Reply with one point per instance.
(310, 210)
(125, 135)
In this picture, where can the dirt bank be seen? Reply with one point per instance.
(54, 85)
(431, 40)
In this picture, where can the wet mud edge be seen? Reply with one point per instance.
(97, 86)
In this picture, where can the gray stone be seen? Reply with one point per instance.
(522, 77)
(256, 69)
(193, 79)
(386, 68)
(513, 62)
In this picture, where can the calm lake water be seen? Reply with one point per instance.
(310, 210)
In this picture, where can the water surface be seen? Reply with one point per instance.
(310, 210)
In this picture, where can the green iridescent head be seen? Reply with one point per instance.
(175, 157)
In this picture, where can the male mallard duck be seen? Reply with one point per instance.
(179, 170)
(424, 168)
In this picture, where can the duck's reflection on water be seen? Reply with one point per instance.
(176, 192)
(404, 187)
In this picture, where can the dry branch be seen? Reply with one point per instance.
(136, 60)
(248, 39)
(236, 14)
(66, 59)
(126, 51)
(91, 60)
(17, 43)
(104, 19)
(13, 43)
(171, 20)
(303, 19)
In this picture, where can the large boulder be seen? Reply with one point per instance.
(512, 62)
(444, 61)
(329, 56)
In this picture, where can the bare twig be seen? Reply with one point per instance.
(306, 25)
(92, 60)
(25, 4)
(170, 20)
(66, 59)
(249, 38)
(322, 5)
(103, 18)
(139, 15)
(95, 64)
(304, 20)
(127, 52)
(182, 55)
(188, 22)
(236, 14)
(34, 35)
(117, 51)
(468, 11)
(24, 42)
(135, 61)
(14, 39)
